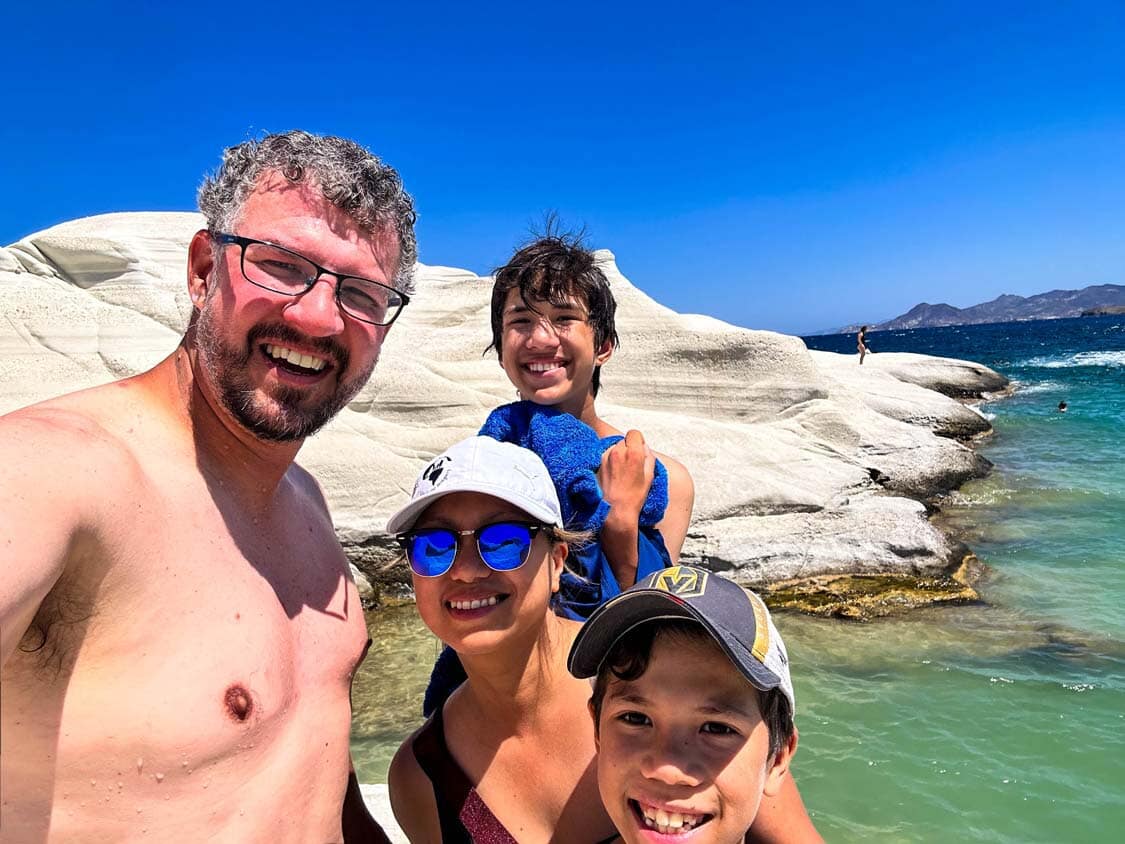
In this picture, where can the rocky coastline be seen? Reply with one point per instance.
(817, 479)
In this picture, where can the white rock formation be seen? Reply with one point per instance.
(804, 463)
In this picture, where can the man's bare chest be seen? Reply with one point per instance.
(195, 625)
(192, 652)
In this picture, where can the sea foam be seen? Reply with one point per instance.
(1038, 386)
(1100, 358)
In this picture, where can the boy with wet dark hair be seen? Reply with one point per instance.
(553, 328)
(693, 709)
(556, 269)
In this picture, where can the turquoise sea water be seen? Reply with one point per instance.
(1002, 722)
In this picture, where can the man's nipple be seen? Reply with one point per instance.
(239, 703)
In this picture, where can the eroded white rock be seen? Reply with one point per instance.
(804, 463)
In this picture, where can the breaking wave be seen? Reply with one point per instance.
(1107, 358)
(1038, 386)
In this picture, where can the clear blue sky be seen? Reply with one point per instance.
(794, 170)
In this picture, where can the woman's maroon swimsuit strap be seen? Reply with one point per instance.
(464, 817)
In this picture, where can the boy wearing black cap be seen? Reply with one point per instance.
(692, 706)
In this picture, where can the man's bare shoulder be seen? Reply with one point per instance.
(306, 485)
(65, 471)
(65, 432)
(64, 475)
(308, 497)
(72, 462)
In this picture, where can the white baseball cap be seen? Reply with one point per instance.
(482, 464)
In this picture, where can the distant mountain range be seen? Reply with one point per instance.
(1057, 304)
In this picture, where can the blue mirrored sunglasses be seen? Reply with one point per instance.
(502, 546)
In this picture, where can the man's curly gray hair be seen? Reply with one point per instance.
(349, 176)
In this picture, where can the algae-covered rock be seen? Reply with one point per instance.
(861, 597)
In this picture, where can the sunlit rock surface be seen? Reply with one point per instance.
(805, 464)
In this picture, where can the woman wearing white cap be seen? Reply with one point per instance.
(509, 757)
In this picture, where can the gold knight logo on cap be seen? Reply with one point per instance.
(683, 581)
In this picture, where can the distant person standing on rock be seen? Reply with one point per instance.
(861, 343)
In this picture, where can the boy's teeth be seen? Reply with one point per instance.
(542, 367)
(472, 605)
(295, 358)
(669, 822)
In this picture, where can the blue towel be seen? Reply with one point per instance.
(572, 452)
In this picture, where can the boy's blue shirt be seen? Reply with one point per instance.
(572, 453)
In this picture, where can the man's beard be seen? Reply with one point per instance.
(281, 414)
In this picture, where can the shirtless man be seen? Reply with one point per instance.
(179, 626)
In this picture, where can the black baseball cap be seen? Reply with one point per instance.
(736, 618)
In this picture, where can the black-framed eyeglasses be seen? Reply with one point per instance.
(289, 273)
(503, 546)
